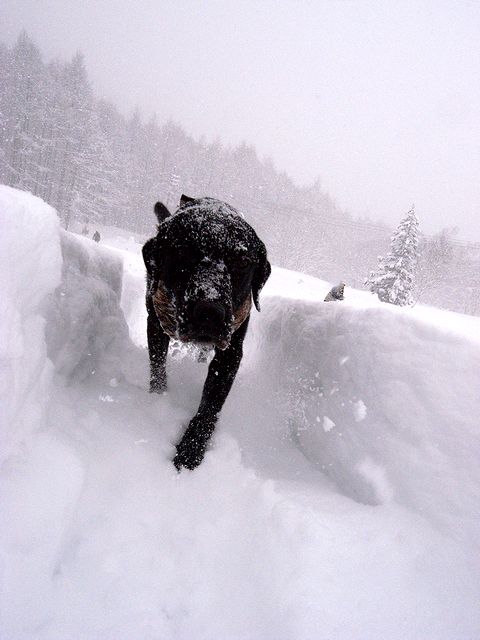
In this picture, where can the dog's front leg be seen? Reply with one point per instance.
(157, 350)
(221, 374)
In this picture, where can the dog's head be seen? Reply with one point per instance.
(204, 266)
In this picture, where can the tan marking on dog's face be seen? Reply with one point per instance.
(166, 313)
(165, 310)
(241, 314)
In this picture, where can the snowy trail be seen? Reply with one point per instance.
(340, 498)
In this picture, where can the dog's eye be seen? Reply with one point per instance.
(186, 258)
(183, 254)
(242, 263)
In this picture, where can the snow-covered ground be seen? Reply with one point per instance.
(340, 498)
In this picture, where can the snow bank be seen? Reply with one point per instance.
(339, 499)
(400, 398)
(61, 324)
(30, 264)
(86, 331)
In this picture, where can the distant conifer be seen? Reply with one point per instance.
(394, 280)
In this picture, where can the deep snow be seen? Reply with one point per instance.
(340, 498)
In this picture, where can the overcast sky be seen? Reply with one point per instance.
(381, 100)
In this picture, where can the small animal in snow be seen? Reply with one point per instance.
(336, 293)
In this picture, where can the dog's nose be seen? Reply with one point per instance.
(209, 313)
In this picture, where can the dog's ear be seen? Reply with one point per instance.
(149, 252)
(185, 200)
(161, 212)
(260, 276)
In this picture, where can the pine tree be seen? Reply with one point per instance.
(394, 279)
(72, 149)
(21, 114)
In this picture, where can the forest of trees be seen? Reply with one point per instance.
(97, 167)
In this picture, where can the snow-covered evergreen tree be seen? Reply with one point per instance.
(21, 112)
(394, 279)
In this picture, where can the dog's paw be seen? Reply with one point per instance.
(157, 387)
(188, 455)
(191, 448)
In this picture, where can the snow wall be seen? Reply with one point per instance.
(383, 403)
(30, 271)
(60, 307)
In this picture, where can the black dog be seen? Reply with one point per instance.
(203, 267)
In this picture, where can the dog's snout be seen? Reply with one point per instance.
(209, 313)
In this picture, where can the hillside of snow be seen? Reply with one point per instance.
(340, 498)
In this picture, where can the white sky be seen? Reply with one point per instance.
(381, 100)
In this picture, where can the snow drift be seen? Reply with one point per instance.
(340, 498)
(30, 270)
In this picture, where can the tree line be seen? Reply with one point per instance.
(96, 166)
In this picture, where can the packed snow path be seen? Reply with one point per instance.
(340, 498)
